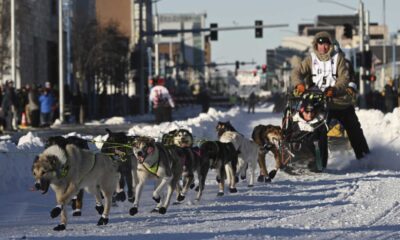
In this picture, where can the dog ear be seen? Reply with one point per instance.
(35, 161)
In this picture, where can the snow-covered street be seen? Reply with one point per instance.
(352, 199)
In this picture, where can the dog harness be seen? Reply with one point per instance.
(324, 72)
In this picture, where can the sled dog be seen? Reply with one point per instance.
(222, 157)
(158, 161)
(247, 150)
(193, 161)
(117, 146)
(71, 170)
(268, 138)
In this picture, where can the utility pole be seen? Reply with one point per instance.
(362, 49)
(61, 59)
(141, 63)
(13, 48)
(383, 45)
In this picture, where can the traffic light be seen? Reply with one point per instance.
(264, 68)
(348, 31)
(372, 78)
(258, 29)
(213, 32)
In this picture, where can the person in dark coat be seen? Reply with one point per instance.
(204, 100)
(390, 95)
(252, 102)
(33, 106)
(9, 107)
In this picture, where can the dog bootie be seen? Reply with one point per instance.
(162, 210)
(133, 211)
(60, 227)
(272, 174)
(180, 197)
(77, 213)
(100, 209)
(55, 212)
(102, 221)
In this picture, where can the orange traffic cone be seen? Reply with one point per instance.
(23, 121)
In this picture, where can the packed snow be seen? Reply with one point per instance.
(352, 199)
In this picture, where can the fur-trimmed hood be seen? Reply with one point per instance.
(331, 52)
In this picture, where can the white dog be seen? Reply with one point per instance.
(248, 153)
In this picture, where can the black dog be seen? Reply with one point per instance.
(118, 147)
(221, 156)
(62, 142)
(193, 161)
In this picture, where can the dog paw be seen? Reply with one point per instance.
(133, 211)
(268, 180)
(100, 209)
(236, 179)
(102, 221)
(131, 199)
(157, 199)
(220, 194)
(192, 185)
(162, 210)
(232, 190)
(59, 227)
(121, 196)
(243, 177)
(180, 197)
(55, 212)
(218, 179)
(197, 188)
(272, 174)
(261, 178)
(77, 213)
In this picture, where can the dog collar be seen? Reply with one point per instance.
(63, 171)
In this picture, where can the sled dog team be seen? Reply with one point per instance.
(69, 167)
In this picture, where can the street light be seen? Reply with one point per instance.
(338, 3)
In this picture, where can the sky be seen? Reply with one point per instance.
(352, 199)
(243, 46)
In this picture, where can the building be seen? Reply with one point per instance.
(36, 42)
(183, 57)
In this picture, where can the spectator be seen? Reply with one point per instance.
(46, 103)
(9, 107)
(390, 94)
(33, 106)
(162, 102)
(252, 102)
(204, 99)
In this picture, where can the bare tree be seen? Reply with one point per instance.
(101, 54)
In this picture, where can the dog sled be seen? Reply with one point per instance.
(302, 150)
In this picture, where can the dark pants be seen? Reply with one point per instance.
(319, 135)
(35, 118)
(163, 114)
(348, 118)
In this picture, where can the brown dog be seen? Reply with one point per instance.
(268, 137)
